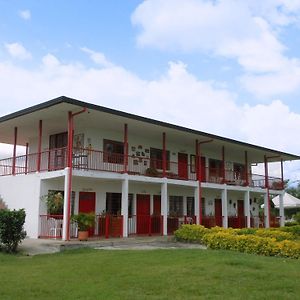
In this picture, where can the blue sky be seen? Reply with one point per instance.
(227, 67)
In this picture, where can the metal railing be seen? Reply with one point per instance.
(96, 160)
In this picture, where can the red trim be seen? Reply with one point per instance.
(267, 187)
(39, 146)
(164, 155)
(14, 151)
(223, 163)
(125, 148)
(26, 159)
(246, 169)
(281, 168)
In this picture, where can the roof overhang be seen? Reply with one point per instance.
(54, 114)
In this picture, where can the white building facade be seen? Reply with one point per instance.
(139, 176)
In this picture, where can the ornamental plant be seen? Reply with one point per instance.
(11, 229)
(54, 202)
(84, 221)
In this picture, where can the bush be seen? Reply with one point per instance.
(291, 223)
(268, 242)
(11, 228)
(191, 233)
(295, 230)
(296, 217)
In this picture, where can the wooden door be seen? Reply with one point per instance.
(156, 205)
(183, 165)
(142, 213)
(156, 216)
(218, 212)
(241, 214)
(57, 151)
(87, 204)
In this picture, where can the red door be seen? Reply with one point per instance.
(183, 165)
(87, 203)
(218, 212)
(142, 213)
(241, 214)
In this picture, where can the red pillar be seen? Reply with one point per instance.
(246, 169)
(39, 146)
(70, 167)
(164, 155)
(223, 164)
(281, 168)
(125, 148)
(26, 159)
(14, 151)
(267, 187)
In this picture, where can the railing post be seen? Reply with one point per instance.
(14, 151)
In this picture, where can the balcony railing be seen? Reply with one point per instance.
(95, 160)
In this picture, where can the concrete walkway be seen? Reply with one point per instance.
(40, 246)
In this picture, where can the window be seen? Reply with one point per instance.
(238, 171)
(190, 206)
(156, 159)
(113, 151)
(176, 206)
(215, 167)
(193, 163)
(113, 203)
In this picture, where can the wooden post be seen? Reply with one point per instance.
(246, 169)
(125, 148)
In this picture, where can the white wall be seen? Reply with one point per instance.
(23, 192)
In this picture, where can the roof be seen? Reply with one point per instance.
(71, 101)
(289, 201)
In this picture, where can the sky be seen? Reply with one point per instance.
(227, 67)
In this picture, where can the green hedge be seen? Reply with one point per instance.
(268, 242)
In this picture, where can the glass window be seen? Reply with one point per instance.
(190, 206)
(176, 206)
(156, 158)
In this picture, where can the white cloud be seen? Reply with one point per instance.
(17, 50)
(25, 14)
(97, 57)
(246, 31)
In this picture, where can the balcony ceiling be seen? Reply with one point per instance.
(54, 114)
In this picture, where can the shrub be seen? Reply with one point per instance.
(296, 217)
(275, 233)
(11, 228)
(295, 230)
(191, 233)
(291, 223)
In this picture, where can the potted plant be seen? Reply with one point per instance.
(84, 222)
(54, 202)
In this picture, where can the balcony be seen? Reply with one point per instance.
(95, 160)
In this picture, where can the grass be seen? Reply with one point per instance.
(155, 274)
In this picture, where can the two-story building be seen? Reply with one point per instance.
(138, 175)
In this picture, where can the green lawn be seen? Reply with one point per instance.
(155, 274)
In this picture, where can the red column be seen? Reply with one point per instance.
(39, 146)
(70, 166)
(267, 187)
(281, 168)
(14, 151)
(197, 159)
(246, 169)
(125, 148)
(223, 163)
(164, 155)
(26, 159)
